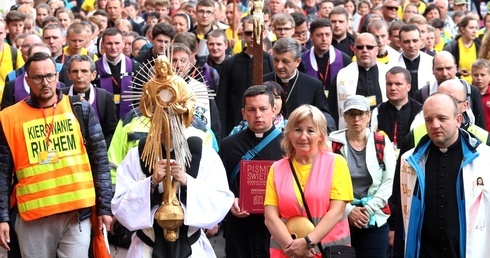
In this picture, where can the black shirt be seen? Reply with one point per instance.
(368, 84)
(413, 68)
(440, 230)
(389, 114)
(344, 45)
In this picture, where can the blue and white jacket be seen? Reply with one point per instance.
(472, 202)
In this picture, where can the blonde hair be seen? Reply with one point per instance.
(295, 118)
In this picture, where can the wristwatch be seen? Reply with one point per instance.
(153, 184)
(309, 242)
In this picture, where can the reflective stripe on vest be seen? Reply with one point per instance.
(418, 133)
(289, 199)
(47, 189)
(479, 132)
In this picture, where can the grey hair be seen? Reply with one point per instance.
(81, 58)
(287, 45)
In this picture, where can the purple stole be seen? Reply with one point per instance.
(107, 84)
(94, 104)
(334, 67)
(20, 92)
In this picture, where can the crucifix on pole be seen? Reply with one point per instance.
(257, 60)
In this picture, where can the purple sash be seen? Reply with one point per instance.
(334, 67)
(20, 92)
(94, 104)
(107, 84)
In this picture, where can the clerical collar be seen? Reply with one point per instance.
(288, 79)
(85, 95)
(259, 135)
(115, 62)
(367, 69)
(322, 55)
(411, 59)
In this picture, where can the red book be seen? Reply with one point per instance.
(253, 179)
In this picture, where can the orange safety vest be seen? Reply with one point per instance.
(317, 194)
(52, 188)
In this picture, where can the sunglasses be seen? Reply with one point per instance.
(368, 47)
(392, 8)
(248, 33)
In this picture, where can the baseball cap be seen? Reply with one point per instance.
(357, 102)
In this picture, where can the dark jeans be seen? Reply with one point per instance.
(370, 242)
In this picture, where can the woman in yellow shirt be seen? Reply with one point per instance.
(465, 47)
(312, 173)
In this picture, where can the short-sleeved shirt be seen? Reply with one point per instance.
(341, 188)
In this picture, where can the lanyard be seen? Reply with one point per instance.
(322, 77)
(63, 58)
(115, 82)
(395, 133)
(51, 126)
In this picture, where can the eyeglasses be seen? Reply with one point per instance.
(38, 79)
(282, 29)
(459, 101)
(202, 12)
(392, 8)
(248, 33)
(412, 12)
(368, 47)
(354, 115)
(300, 33)
(25, 46)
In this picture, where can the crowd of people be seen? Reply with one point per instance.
(375, 114)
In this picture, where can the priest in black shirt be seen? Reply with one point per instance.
(246, 234)
(395, 116)
(443, 202)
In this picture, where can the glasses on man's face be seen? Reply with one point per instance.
(38, 79)
(354, 115)
(26, 46)
(300, 33)
(459, 101)
(248, 33)
(284, 29)
(203, 12)
(392, 8)
(368, 47)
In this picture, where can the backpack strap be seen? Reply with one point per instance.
(379, 144)
(13, 51)
(250, 154)
(76, 105)
(336, 146)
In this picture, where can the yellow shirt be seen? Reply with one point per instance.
(88, 6)
(439, 46)
(466, 58)
(84, 51)
(341, 182)
(6, 65)
(420, 9)
(231, 34)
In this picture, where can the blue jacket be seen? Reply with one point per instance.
(412, 175)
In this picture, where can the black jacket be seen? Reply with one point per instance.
(235, 78)
(452, 47)
(107, 112)
(307, 90)
(97, 152)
